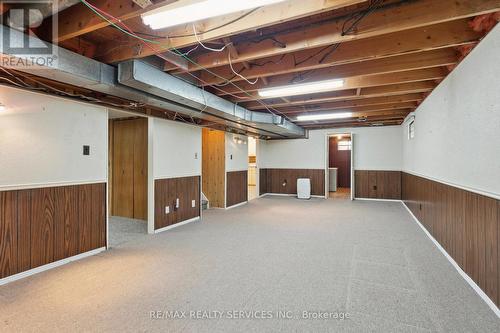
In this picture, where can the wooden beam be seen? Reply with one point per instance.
(401, 63)
(358, 109)
(383, 91)
(376, 117)
(360, 102)
(413, 14)
(78, 20)
(220, 27)
(444, 35)
(363, 81)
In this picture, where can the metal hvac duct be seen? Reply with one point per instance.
(145, 84)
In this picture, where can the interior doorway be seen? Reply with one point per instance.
(339, 148)
(128, 176)
(252, 169)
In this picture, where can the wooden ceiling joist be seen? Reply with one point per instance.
(443, 35)
(220, 27)
(374, 101)
(395, 18)
(406, 62)
(345, 95)
(359, 109)
(363, 81)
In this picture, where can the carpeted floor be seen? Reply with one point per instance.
(123, 230)
(367, 259)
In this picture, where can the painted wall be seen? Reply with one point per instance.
(457, 128)
(239, 153)
(377, 148)
(42, 138)
(176, 149)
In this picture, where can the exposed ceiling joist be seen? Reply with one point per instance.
(363, 81)
(410, 15)
(401, 63)
(215, 28)
(362, 109)
(443, 35)
(371, 92)
(345, 104)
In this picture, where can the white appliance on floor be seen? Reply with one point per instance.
(304, 188)
(332, 177)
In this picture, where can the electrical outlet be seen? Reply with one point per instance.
(193, 203)
(167, 209)
(177, 203)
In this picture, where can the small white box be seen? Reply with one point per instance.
(304, 188)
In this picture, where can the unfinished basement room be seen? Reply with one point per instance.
(250, 166)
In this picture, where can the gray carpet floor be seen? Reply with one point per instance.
(367, 259)
(123, 230)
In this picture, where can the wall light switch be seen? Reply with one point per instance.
(177, 204)
(231, 156)
(195, 156)
(193, 203)
(167, 209)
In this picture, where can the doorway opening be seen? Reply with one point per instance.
(339, 173)
(252, 169)
(128, 176)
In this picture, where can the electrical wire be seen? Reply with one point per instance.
(206, 47)
(238, 74)
(146, 41)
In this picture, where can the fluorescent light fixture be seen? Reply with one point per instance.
(324, 116)
(301, 89)
(194, 10)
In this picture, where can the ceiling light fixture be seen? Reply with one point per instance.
(324, 116)
(301, 89)
(195, 10)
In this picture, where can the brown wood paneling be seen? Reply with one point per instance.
(98, 237)
(214, 166)
(42, 226)
(8, 233)
(66, 231)
(377, 184)
(340, 159)
(141, 169)
(284, 181)
(262, 181)
(237, 187)
(130, 167)
(24, 230)
(39, 226)
(186, 189)
(466, 224)
(123, 168)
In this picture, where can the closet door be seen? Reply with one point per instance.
(123, 168)
(141, 169)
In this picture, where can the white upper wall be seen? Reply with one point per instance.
(42, 138)
(176, 149)
(236, 154)
(375, 148)
(457, 128)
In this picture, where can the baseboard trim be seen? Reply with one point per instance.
(52, 265)
(177, 225)
(466, 277)
(373, 199)
(289, 195)
(237, 205)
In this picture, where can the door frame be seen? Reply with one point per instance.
(327, 160)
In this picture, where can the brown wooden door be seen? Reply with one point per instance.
(130, 165)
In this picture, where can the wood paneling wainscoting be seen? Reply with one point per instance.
(284, 181)
(44, 225)
(237, 187)
(376, 184)
(466, 224)
(167, 191)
